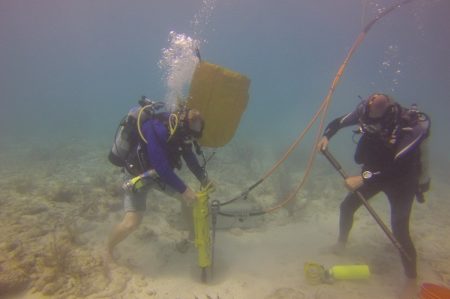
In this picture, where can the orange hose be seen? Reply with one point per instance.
(323, 109)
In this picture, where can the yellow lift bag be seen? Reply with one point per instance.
(221, 96)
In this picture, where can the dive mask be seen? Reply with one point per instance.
(195, 128)
(382, 127)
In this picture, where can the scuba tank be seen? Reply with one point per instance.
(121, 145)
(347, 272)
(317, 274)
(127, 137)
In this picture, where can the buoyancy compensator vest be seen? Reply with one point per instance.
(400, 122)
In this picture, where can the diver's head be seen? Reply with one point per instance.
(194, 123)
(381, 115)
(378, 105)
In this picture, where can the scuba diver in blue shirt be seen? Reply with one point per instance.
(149, 162)
(392, 152)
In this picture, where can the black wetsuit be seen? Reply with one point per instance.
(396, 168)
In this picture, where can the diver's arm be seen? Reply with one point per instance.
(335, 125)
(158, 155)
(192, 163)
(412, 137)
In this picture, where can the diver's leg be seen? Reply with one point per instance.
(187, 217)
(348, 208)
(134, 206)
(129, 223)
(401, 198)
(186, 210)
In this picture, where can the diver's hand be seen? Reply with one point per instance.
(354, 182)
(189, 196)
(323, 144)
(421, 189)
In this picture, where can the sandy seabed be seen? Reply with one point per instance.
(59, 203)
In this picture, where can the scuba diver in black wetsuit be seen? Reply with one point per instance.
(391, 151)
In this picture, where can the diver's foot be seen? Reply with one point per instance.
(183, 245)
(108, 256)
(338, 248)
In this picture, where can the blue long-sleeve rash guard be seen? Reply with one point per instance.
(158, 150)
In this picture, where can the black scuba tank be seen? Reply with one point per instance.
(127, 139)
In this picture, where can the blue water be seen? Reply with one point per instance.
(70, 69)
